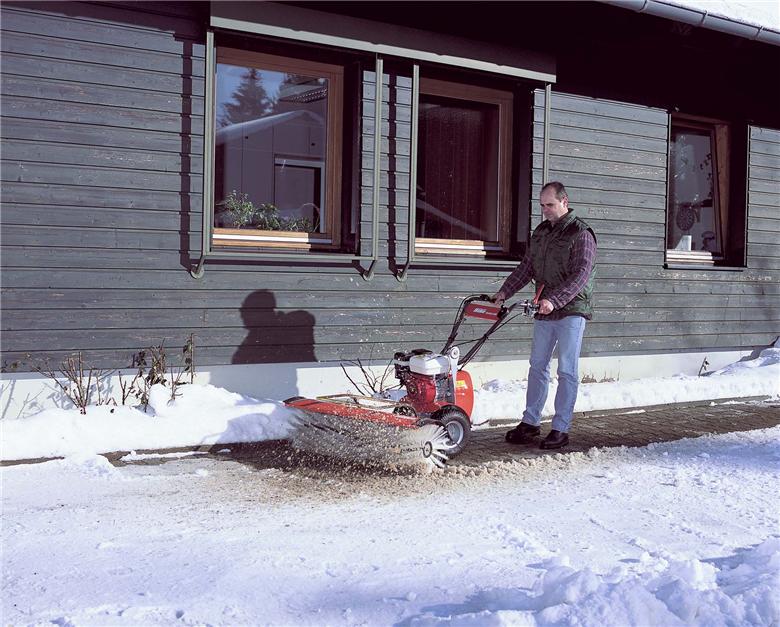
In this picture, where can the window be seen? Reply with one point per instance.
(277, 151)
(706, 204)
(463, 169)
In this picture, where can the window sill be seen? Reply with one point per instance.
(702, 266)
(459, 259)
(697, 260)
(303, 259)
(239, 238)
(257, 251)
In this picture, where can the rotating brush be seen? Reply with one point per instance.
(370, 443)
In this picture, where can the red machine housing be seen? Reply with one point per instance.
(464, 392)
(483, 311)
(427, 393)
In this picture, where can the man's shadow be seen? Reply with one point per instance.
(274, 336)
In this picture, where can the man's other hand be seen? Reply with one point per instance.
(545, 306)
(498, 298)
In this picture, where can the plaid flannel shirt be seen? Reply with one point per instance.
(581, 260)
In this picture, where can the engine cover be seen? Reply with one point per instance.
(430, 364)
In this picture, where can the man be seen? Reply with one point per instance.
(560, 260)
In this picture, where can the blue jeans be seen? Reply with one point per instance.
(567, 334)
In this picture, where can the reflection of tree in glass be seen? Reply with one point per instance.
(706, 166)
(248, 102)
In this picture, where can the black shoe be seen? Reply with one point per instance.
(522, 434)
(556, 439)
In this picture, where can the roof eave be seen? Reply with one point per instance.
(701, 18)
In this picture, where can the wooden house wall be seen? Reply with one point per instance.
(612, 158)
(763, 235)
(102, 177)
(102, 130)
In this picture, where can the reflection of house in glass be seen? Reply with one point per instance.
(693, 198)
(278, 159)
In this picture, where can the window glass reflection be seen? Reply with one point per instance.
(270, 147)
(693, 222)
(457, 169)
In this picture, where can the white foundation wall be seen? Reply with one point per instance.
(25, 394)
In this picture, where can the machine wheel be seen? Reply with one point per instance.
(457, 425)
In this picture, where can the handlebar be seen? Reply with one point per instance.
(528, 308)
(499, 318)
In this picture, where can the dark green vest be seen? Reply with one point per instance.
(550, 249)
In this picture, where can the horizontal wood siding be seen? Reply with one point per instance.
(612, 158)
(763, 236)
(102, 130)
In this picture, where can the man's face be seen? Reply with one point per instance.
(552, 208)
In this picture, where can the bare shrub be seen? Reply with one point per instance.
(80, 383)
(152, 368)
(372, 383)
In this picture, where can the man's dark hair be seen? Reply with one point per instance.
(560, 190)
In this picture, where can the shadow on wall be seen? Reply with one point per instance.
(274, 336)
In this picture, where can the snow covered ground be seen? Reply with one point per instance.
(680, 533)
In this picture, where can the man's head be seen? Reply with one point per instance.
(554, 201)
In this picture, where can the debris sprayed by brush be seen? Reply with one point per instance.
(393, 444)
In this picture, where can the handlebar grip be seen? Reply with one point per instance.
(474, 297)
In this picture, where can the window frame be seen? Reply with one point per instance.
(725, 194)
(223, 238)
(504, 99)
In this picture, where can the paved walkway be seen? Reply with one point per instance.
(599, 429)
(627, 428)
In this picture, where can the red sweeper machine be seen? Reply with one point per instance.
(432, 420)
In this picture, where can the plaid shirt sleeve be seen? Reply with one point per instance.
(519, 278)
(581, 260)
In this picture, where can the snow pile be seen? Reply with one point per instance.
(753, 377)
(201, 415)
(666, 591)
(88, 465)
(768, 357)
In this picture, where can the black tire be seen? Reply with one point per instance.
(457, 425)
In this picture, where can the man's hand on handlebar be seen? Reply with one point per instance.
(498, 298)
(545, 307)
